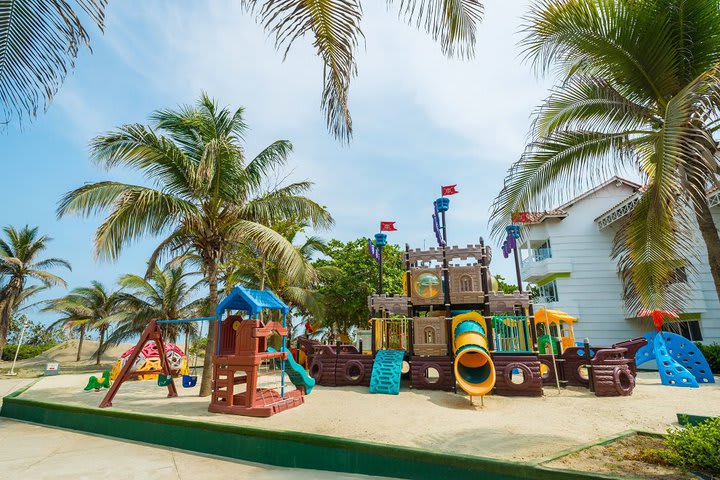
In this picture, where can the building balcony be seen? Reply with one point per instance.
(540, 264)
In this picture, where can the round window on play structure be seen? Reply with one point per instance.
(405, 367)
(427, 285)
(432, 375)
(517, 376)
(583, 372)
(355, 372)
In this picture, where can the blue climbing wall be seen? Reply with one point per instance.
(687, 354)
(386, 372)
(646, 352)
(671, 372)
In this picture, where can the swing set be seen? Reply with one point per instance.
(153, 333)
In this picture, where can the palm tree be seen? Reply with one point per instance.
(88, 308)
(206, 194)
(639, 91)
(165, 295)
(19, 261)
(335, 26)
(39, 42)
(251, 267)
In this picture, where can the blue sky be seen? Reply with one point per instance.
(420, 120)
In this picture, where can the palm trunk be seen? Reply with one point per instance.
(100, 347)
(82, 338)
(187, 336)
(206, 381)
(709, 233)
(7, 304)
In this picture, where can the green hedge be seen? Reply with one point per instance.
(26, 351)
(712, 354)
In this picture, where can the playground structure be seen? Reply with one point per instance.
(241, 350)
(242, 357)
(680, 362)
(147, 362)
(451, 329)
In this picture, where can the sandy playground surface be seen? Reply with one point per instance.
(66, 353)
(518, 428)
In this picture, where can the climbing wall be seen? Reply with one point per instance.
(682, 351)
(687, 354)
(671, 372)
(386, 372)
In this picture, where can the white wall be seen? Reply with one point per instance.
(594, 290)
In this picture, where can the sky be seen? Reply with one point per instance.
(420, 121)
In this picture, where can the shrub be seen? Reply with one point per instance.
(712, 354)
(694, 447)
(26, 351)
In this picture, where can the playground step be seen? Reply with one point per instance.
(386, 372)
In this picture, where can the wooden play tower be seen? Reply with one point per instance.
(240, 352)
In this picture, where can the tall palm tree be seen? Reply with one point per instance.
(335, 26)
(639, 90)
(167, 294)
(19, 262)
(39, 42)
(206, 196)
(86, 309)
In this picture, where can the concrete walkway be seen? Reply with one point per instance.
(32, 451)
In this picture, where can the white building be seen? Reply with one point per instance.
(567, 253)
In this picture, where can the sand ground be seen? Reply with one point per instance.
(66, 355)
(518, 428)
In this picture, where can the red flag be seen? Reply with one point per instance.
(520, 217)
(449, 190)
(387, 227)
(308, 327)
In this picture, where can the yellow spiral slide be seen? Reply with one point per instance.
(474, 369)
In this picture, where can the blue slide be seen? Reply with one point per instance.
(386, 372)
(296, 372)
(680, 362)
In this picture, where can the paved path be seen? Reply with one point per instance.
(34, 452)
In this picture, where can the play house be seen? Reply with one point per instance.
(242, 349)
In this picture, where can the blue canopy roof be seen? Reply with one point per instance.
(251, 301)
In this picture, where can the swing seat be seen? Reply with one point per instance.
(189, 381)
(164, 380)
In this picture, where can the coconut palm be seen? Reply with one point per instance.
(167, 294)
(206, 196)
(19, 262)
(39, 42)
(639, 90)
(251, 267)
(335, 27)
(88, 308)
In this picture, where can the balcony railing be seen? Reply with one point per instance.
(537, 255)
(544, 299)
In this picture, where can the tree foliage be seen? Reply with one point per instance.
(335, 28)
(638, 90)
(39, 42)
(344, 295)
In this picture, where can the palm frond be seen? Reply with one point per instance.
(39, 42)
(335, 26)
(451, 22)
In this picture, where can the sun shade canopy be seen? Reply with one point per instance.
(251, 301)
(553, 316)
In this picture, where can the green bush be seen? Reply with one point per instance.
(694, 447)
(712, 354)
(26, 351)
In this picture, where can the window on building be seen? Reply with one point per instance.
(548, 292)
(690, 329)
(466, 284)
(429, 335)
(543, 252)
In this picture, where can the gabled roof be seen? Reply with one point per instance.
(615, 179)
(561, 212)
(251, 301)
